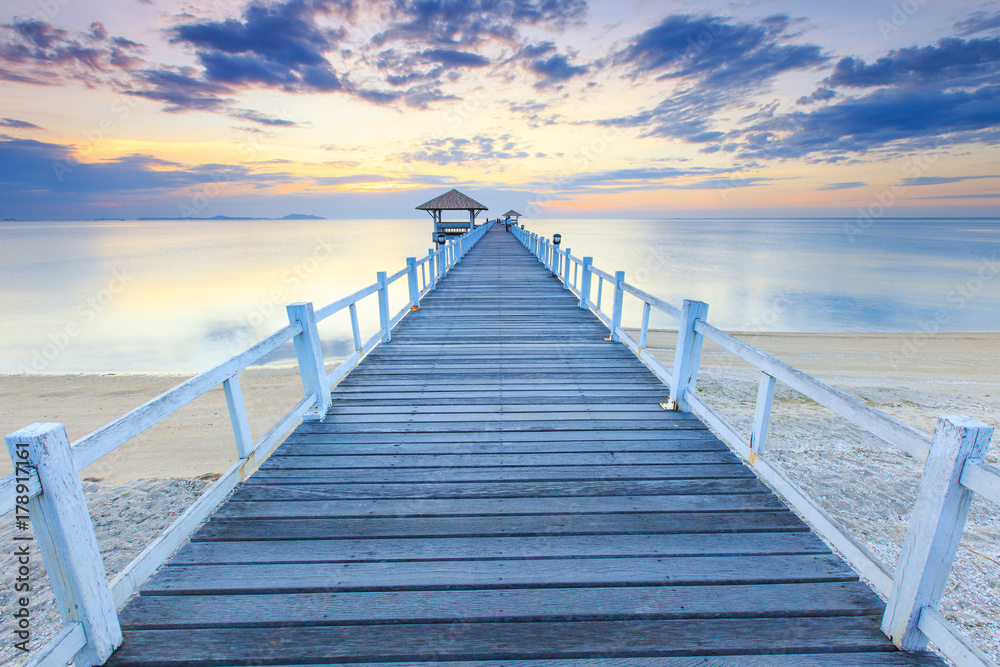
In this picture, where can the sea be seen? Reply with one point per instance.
(179, 296)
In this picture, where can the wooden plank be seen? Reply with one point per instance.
(261, 488)
(309, 447)
(304, 509)
(482, 606)
(511, 473)
(615, 438)
(880, 659)
(464, 548)
(493, 573)
(288, 460)
(680, 423)
(481, 641)
(574, 524)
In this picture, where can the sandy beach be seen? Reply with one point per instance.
(136, 492)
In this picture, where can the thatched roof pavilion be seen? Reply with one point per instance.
(512, 214)
(453, 200)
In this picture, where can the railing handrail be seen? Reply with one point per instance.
(74, 637)
(913, 594)
(914, 442)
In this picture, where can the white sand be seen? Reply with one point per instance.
(135, 492)
(126, 518)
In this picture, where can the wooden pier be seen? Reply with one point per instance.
(499, 485)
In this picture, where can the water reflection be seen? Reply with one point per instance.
(176, 296)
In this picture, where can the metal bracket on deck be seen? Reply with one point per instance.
(315, 413)
(670, 405)
(414, 307)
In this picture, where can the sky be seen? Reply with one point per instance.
(556, 108)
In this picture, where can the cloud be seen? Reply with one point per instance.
(470, 22)
(818, 95)
(479, 148)
(716, 52)
(279, 45)
(843, 186)
(717, 64)
(350, 180)
(922, 97)
(40, 178)
(662, 178)
(263, 119)
(877, 120)
(978, 22)
(18, 124)
(551, 67)
(35, 51)
(450, 58)
(953, 60)
(181, 90)
(942, 180)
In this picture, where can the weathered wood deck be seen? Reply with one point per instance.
(499, 486)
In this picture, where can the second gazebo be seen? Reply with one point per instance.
(453, 200)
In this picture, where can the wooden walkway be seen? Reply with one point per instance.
(499, 486)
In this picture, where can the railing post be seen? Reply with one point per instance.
(383, 306)
(238, 415)
(762, 413)
(644, 327)
(585, 283)
(355, 326)
(566, 268)
(411, 279)
(431, 275)
(687, 356)
(934, 530)
(65, 534)
(309, 353)
(616, 310)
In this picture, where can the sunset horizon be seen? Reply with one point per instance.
(568, 109)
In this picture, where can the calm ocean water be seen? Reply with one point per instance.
(182, 296)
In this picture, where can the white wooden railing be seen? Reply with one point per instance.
(954, 469)
(46, 485)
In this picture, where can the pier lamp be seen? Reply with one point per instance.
(557, 239)
(442, 239)
(522, 226)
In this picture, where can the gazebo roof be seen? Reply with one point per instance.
(512, 214)
(453, 200)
